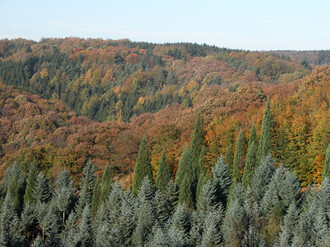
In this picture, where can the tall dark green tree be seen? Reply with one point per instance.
(163, 173)
(186, 178)
(142, 167)
(326, 169)
(197, 141)
(239, 156)
(96, 196)
(250, 164)
(42, 192)
(264, 147)
(106, 184)
(87, 186)
(229, 156)
(31, 182)
(253, 136)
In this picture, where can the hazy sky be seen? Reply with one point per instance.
(249, 24)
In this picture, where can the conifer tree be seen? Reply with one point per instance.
(87, 186)
(29, 221)
(222, 180)
(96, 196)
(239, 156)
(207, 200)
(250, 164)
(142, 167)
(163, 173)
(326, 169)
(211, 233)
(85, 237)
(41, 191)
(229, 156)
(65, 194)
(31, 182)
(185, 192)
(186, 169)
(197, 141)
(264, 147)
(262, 177)
(253, 136)
(49, 223)
(202, 180)
(106, 184)
(9, 224)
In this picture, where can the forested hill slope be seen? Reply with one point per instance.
(116, 80)
(48, 133)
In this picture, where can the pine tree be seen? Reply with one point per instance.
(160, 239)
(229, 156)
(180, 225)
(202, 180)
(85, 237)
(250, 164)
(96, 196)
(49, 223)
(253, 136)
(87, 186)
(142, 166)
(207, 200)
(29, 221)
(262, 177)
(106, 184)
(326, 170)
(264, 147)
(197, 141)
(10, 229)
(41, 191)
(186, 169)
(185, 192)
(239, 157)
(211, 233)
(163, 173)
(64, 193)
(31, 182)
(222, 180)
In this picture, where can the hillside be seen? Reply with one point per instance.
(47, 132)
(117, 80)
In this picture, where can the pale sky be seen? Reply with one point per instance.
(250, 24)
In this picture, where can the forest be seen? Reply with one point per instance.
(121, 143)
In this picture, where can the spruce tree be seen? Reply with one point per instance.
(106, 184)
(202, 180)
(326, 170)
(41, 191)
(31, 182)
(65, 194)
(262, 177)
(96, 196)
(211, 234)
(264, 147)
(87, 186)
(239, 156)
(229, 156)
(197, 141)
(163, 173)
(187, 169)
(250, 164)
(142, 167)
(85, 236)
(253, 136)
(10, 229)
(221, 178)
(185, 192)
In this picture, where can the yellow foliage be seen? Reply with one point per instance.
(44, 73)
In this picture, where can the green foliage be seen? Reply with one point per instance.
(197, 141)
(264, 147)
(326, 169)
(229, 156)
(186, 168)
(31, 182)
(106, 184)
(96, 196)
(163, 173)
(239, 156)
(41, 191)
(142, 167)
(250, 164)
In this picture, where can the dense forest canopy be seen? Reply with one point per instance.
(208, 146)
